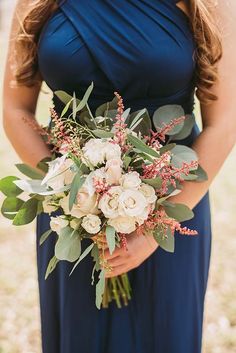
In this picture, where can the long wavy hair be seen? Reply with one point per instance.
(203, 25)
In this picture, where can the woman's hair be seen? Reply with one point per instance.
(202, 21)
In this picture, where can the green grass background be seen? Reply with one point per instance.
(19, 308)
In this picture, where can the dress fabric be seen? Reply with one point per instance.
(144, 49)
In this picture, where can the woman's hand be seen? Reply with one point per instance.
(139, 248)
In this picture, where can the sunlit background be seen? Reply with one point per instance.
(19, 308)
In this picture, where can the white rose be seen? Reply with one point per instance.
(140, 220)
(113, 171)
(59, 173)
(109, 202)
(132, 203)
(94, 152)
(85, 204)
(149, 192)
(130, 180)
(57, 223)
(112, 151)
(47, 206)
(91, 223)
(75, 223)
(123, 224)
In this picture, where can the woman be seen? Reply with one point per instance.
(153, 53)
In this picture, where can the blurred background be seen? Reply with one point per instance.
(19, 308)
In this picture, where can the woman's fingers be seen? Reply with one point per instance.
(117, 252)
(116, 271)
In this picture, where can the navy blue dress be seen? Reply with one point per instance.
(144, 49)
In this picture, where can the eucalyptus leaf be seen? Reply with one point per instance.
(64, 96)
(142, 146)
(29, 171)
(67, 106)
(111, 238)
(178, 211)
(95, 255)
(183, 154)
(44, 236)
(200, 173)
(76, 184)
(144, 125)
(82, 256)
(165, 114)
(85, 98)
(43, 165)
(166, 242)
(68, 245)
(167, 147)
(137, 118)
(51, 266)
(155, 182)
(100, 287)
(102, 133)
(101, 110)
(11, 206)
(8, 186)
(186, 129)
(26, 213)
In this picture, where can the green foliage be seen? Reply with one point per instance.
(82, 256)
(11, 206)
(186, 129)
(141, 146)
(100, 287)
(166, 241)
(27, 212)
(102, 134)
(76, 184)
(178, 211)
(8, 187)
(182, 154)
(51, 266)
(165, 114)
(29, 171)
(44, 236)
(68, 245)
(155, 182)
(167, 147)
(111, 238)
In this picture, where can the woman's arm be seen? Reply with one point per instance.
(218, 135)
(21, 102)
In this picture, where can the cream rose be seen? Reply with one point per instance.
(113, 171)
(91, 223)
(85, 204)
(57, 223)
(130, 180)
(132, 203)
(109, 202)
(123, 224)
(149, 192)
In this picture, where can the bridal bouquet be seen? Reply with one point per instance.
(110, 175)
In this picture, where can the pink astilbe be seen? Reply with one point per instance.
(161, 133)
(120, 125)
(123, 241)
(159, 219)
(100, 185)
